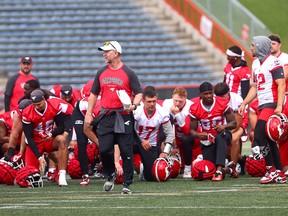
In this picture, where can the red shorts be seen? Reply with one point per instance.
(265, 113)
(30, 157)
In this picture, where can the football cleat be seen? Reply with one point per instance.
(85, 180)
(126, 189)
(270, 176)
(187, 174)
(281, 179)
(286, 173)
(233, 171)
(52, 176)
(217, 176)
(109, 183)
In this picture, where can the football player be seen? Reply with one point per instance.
(148, 120)
(216, 120)
(237, 74)
(269, 87)
(235, 100)
(178, 107)
(41, 136)
(82, 134)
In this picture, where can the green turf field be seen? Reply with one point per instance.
(242, 196)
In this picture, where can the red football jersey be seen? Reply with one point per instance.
(42, 122)
(56, 90)
(7, 119)
(83, 106)
(234, 76)
(85, 90)
(209, 117)
(67, 108)
(18, 91)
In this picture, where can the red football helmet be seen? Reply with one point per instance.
(29, 176)
(161, 169)
(17, 162)
(73, 169)
(7, 173)
(255, 168)
(203, 169)
(277, 127)
(175, 166)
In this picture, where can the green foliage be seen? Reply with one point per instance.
(273, 14)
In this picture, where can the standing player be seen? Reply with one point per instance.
(38, 122)
(149, 119)
(236, 73)
(82, 139)
(269, 87)
(216, 119)
(117, 121)
(15, 84)
(283, 57)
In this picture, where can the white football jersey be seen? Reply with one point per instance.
(235, 101)
(167, 104)
(283, 57)
(148, 127)
(266, 85)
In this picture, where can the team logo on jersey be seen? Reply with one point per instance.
(78, 122)
(127, 122)
(276, 62)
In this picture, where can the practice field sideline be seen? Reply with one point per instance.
(177, 196)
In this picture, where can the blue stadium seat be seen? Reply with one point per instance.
(63, 36)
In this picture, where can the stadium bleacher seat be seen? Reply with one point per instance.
(62, 37)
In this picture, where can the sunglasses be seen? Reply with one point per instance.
(107, 43)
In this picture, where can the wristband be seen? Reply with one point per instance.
(167, 148)
(135, 106)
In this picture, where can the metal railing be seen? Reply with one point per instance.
(235, 18)
(209, 19)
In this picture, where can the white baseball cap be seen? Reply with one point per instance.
(111, 45)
